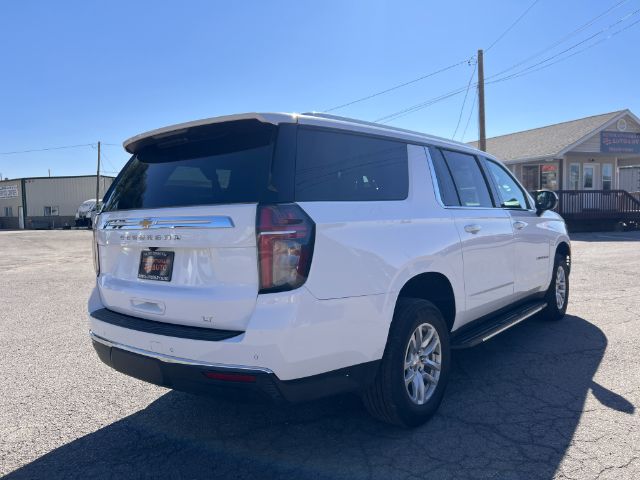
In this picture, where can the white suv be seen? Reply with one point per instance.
(304, 255)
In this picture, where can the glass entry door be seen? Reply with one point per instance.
(590, 176)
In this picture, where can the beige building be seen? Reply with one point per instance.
(584, 154)
(46, 202)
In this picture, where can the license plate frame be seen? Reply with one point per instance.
(156, 265)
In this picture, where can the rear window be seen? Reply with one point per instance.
(221, 163)
(336, 166)
(252, 162)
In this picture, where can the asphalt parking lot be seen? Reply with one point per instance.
(539, 401)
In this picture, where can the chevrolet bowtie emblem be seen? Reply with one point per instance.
(146, 223)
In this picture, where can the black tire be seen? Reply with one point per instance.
(387, 398)
(552, 312)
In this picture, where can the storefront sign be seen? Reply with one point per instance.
(8, 191)
(619, 142)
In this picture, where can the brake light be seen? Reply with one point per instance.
(285, 237)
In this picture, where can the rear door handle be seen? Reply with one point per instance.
(472, 228)
(519, 225)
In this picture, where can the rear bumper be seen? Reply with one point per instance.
(291, 334)
(196, 377)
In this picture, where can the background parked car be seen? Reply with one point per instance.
(86, 213)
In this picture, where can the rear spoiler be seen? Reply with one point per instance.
(132, 144)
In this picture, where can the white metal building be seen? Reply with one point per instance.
(46, 202)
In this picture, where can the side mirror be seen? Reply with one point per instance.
(98, 207)
(545, 200)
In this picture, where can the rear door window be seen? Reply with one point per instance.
(342, 166)
(448, 193)
(468, 178)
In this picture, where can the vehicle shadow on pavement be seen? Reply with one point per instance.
(511, 410)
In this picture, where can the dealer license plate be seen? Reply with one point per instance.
(156, 265)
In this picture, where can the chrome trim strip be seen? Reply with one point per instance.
(492, 289)
(152, 223)
(434, 180)
(278, 232)
(171, 359)
(506, 327)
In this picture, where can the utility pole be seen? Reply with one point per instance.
(483, 136)
(98, 177)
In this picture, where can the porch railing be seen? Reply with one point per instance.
(598, 205)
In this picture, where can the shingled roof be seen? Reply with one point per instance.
(549, 141)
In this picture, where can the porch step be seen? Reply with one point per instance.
(476, 334)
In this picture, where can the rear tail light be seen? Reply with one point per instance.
(285, 236)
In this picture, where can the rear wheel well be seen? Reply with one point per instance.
(436, 288)
(564, 250)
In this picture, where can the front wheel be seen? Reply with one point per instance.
(557, 295)
(415, 367)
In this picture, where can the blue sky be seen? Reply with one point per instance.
(75, 72)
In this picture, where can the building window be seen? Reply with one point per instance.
(8, 211)
(549, 177)
(574, 176)
(50, 211)
(607, 176)
(531, 177)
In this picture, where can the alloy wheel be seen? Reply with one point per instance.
(422, 363)
(561, 288)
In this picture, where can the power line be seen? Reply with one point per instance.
(561, 40)
(419, 106)
(104, 154)
(464, 102)
(456, 92)
(473, 105)
(529, 69)
(49, 148)
(382, 92)
(512, 25)
(591, 37)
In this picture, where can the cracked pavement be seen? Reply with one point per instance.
(542, 400)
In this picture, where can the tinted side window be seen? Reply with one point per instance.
(469, 180)
(336, 166)
(447, 188)
(510, 193)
